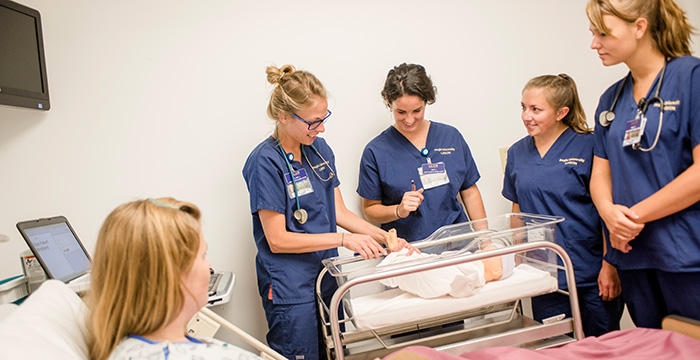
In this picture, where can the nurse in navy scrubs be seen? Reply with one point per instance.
(548, 172)
(416, 174)
(296, 204)
(646, 181)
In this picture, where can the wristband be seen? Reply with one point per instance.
(397, 212)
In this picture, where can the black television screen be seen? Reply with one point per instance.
(23, 79)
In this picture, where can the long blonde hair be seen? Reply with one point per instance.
(668, 25)
(561, 91)
(142, 251)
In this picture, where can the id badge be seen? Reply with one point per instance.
(303, 183)
(433, 175)
(634, 130)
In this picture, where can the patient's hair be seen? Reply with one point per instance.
(408, 79)
(667, 23)
(142, 251)
(293, 90)
(561, 91)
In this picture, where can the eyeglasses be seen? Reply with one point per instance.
(315, 124)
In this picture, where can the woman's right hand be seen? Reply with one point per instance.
(410, 202)
(618, 220)
(363, 245)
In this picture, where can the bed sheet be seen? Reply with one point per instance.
(630, 344)
(395, 306)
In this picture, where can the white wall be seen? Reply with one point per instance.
(167, 98)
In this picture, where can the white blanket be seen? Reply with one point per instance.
(459, 280)
(395, 306)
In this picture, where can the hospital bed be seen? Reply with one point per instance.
(49, 324)
(679, 339)
(379, 320)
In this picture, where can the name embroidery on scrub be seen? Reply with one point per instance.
(303, 183)
(572, 161)
(669, 105)
(433, 175)
(444, 151)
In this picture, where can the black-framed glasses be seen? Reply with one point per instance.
(315, 124)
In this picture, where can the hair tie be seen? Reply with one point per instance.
(158, 203)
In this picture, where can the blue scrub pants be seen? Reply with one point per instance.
(597, 316)
(295, 329)
(652, 294)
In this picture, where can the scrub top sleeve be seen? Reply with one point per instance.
(694, 121)
(369, 184)
(336, 178)
(472, 175)
(266, 186)
(508, 191)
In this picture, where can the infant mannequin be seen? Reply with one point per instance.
(493, 266)
(459, 281)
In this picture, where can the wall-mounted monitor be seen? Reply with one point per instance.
(23, 80)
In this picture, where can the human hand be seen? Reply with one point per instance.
(364, 245)
(410, 202)
(619, 221)
(608, 282)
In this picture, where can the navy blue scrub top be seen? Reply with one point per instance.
(291, 276)
(558, 184)
(671, 243)
(389, 163)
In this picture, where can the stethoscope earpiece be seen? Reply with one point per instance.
(301, 216)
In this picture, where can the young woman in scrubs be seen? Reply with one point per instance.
(548, 172)
(416, 174)
(646, 181)
(291, 245)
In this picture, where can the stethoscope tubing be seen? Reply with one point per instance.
(606, 117)
(300, 214)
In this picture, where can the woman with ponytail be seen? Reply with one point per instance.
(548, 172)
(646, 169)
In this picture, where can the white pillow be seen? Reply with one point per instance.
(49, 324)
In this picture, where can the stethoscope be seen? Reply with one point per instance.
(300, 214)
(607, 116)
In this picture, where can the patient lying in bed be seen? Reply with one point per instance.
(150, 276)
(458, 281)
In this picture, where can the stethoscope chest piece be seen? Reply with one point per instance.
(606, 117)
(301, 216)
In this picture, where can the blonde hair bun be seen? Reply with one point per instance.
(275, 74)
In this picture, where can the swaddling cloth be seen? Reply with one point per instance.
(459, 281)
